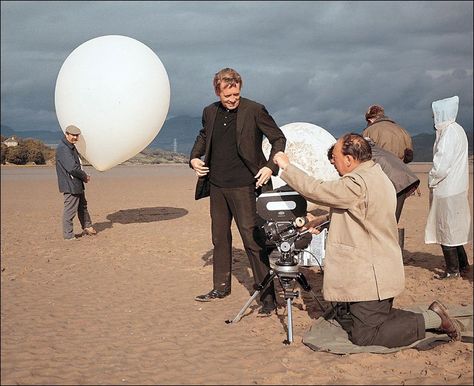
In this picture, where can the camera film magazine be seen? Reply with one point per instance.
(314, 253)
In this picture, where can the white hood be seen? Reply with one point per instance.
(445, 112)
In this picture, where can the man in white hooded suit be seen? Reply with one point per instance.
(449, 219)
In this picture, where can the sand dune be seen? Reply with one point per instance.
(118, 308)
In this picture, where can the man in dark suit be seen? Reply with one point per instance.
(71, 179)
(234, 171)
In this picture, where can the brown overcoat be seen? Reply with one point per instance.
(363, 258)
(389, 136)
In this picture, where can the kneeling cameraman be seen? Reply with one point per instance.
(363, 264)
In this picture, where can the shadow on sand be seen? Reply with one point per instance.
(141, 215)
(430, 262)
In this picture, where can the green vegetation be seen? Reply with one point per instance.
(34, 151)
(28, 151)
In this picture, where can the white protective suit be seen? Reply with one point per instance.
(449, 219)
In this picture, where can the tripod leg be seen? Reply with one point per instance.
(244, 308)
(290, 320)
(301, 279)
(260, 288)
(303, 282)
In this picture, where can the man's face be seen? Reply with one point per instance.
(72, 138)
(229, 96)
(340, 161)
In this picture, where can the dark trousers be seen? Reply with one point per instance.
(377, 323)
(400, 201)
(239, 204)
(75, 203)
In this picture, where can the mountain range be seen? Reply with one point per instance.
(178, 135)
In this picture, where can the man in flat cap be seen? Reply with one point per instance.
(71, 179)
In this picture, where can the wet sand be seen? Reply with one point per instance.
(118, 308)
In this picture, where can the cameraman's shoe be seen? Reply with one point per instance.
(449, 325)
(211, 295)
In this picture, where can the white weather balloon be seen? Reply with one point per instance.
(306, 147)
(116, 90)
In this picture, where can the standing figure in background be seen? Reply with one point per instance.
(387, 134)
(391, 137)
(234, 172)
(71, 179)
(403, 179)
(449, 219)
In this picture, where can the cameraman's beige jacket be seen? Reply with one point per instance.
(363, 258)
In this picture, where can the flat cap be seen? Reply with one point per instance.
(71, 129)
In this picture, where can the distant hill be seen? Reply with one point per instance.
(183, 128)
(178, 134)
(46, 136)
(423, 147)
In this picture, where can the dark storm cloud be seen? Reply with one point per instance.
(318, 62)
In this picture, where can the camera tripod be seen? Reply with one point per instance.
(286, 270)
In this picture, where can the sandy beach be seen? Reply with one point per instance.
(118, 308)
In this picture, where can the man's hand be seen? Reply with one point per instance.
(199, 168)
(313, 222)
(263, 176)
(88, 178)
(281, 159)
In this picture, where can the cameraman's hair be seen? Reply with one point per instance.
(228, 76)
(355, 145)
(374, 111)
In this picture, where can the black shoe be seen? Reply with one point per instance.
(214, 294)
(267, 308)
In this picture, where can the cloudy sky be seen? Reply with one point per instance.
(318, 62)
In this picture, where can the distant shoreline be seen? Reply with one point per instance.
(416, 167)
(121, 165)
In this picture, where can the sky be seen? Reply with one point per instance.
(318, 62)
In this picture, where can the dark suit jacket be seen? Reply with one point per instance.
(253, 122)
(68, 169)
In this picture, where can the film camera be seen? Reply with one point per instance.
(284, 212)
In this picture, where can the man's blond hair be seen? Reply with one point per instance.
(229, 77)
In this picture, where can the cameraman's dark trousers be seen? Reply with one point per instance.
(377, 323)
(238, 203)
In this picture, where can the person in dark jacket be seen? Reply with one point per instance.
(71, 179)
(403, 179)
(233, 173)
